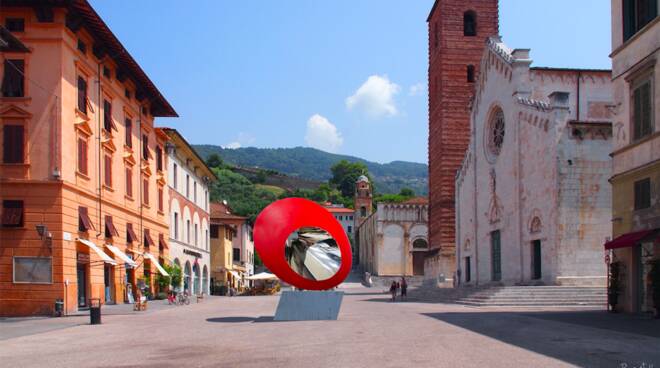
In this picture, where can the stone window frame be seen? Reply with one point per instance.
(9, 58)
(23, 123)
(82, 154)
(128, 182)
(108, 180)
(642, 194)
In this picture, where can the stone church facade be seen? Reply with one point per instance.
(392, 241)
(533, 201)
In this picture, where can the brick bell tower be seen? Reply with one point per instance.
(458, 30)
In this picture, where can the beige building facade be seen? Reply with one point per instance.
(636, 152)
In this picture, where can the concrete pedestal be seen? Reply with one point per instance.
(308, 305)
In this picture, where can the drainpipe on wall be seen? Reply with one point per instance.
(577, 109)
(476, 214)
(98, 138)
(140, 180)
(457, 224)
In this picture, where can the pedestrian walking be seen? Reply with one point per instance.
(404, 288)
(393, 291)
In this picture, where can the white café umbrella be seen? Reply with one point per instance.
(262, 276)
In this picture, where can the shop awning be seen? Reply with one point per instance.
(630, 239)
(236, 275)
(154, 261)
(148, 242)
(262, 276)
(121, 255)
(110, 226)
(106, 258)
(162, 242)
(130, 234)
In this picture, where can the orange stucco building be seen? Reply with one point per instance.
(82, 169)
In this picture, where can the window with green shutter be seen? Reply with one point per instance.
(642, 194)
(642, 109)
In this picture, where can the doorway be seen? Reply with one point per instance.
(130, 285)
(536, 260)
(642, 254)
(108, 282)
(418, 263)
(81, 269)
(638, 278)
(496, 255)
(468, 269)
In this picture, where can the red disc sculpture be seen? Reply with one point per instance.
(277, 221)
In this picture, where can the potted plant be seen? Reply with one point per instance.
(614, 288)
(654, 275)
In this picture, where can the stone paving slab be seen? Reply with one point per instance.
(370, 332)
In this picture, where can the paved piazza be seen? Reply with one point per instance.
(371, 332)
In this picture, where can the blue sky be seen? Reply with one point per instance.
(347, 76)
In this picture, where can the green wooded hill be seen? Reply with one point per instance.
(312, 164)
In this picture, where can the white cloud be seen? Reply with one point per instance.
(241, 140)
(417, 89)
(322, 134)
(232, 145)
(375, 97)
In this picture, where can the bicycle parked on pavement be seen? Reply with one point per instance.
(178, 298)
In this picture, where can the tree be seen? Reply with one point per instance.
(345, 174)
(407, 192)
(390, 198)
(214, 160)
(262, 175)
(244, 197)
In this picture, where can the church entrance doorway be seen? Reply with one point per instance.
(420, 246)
(496, 255)
(536, 260)
(418, 263)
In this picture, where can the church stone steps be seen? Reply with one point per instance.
(540, 296)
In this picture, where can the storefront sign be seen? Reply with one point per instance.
(83, 258)
(191, 253)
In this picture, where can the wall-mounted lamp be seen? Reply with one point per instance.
(42, 230)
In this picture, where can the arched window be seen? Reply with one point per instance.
(205, 280)
(435, 34)
(420, 244)
(363, 211)
(470, 73)
(470, 23)
(197, 279)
